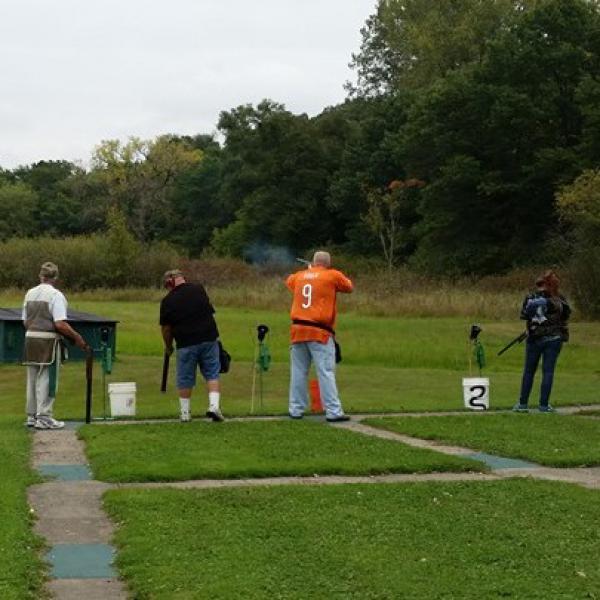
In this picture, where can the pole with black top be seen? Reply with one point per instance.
(262, 360)
(89, 373)
(106, 355)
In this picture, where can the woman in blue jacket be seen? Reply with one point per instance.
(547, 313)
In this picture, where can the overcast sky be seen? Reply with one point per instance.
(76, 72)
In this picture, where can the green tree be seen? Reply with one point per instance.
(391, 214)
(496, 140)
(90, 192)
(58, 211)
(412, 43)
(118, 250)
(365, 160)
(588, 98)
(18, 203)
(140, 175)
(275, 178)
(6, 176)
(198, 205)
(579, 209)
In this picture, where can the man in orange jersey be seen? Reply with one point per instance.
(313, 321)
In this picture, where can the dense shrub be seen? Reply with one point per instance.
(85, 262)
(218, 271)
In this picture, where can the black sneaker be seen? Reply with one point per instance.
(215, 415)
(339, 419)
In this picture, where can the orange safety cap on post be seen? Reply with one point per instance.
(315, 396)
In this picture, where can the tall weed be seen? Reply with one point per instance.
(89, 267)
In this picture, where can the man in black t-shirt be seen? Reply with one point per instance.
(186, 316)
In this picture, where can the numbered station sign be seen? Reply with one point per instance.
(476, 393)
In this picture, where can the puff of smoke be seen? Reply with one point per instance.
(263, 254)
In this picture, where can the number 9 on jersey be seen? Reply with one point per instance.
(307, 295)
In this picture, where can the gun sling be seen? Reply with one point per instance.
(313, 324)
(338, 349)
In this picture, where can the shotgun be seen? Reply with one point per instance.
(165, 372)
(517, 340)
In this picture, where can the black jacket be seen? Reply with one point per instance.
(554, 319)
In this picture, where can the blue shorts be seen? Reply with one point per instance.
(205, 356)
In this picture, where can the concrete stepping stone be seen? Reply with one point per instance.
(66, 472)
(81, 561)
(500, 462)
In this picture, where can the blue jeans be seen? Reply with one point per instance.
(548, 349)
(205, 356)
(323, 355)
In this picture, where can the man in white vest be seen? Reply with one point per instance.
(45, 320)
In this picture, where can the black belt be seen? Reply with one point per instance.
(313, 324)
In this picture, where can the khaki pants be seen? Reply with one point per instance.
(42, 384)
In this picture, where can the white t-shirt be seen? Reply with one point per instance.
(57, 303)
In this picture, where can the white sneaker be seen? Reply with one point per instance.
(48, 423)
(215, 414)
(30, 422)
(185, 416)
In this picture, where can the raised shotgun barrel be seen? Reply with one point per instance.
(517, 340)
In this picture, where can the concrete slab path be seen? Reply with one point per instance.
(562, 410)
(320, 480)
(500, 466)
(70, 517)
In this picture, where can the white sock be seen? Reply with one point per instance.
(213, 400)
(184, 405)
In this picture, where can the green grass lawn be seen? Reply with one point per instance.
(175, 452)
(409, 343)
(221, 546)
(517, 539)
(362, 389)
(21, 572)
(405, 364)
(554, 440)
(406, 343)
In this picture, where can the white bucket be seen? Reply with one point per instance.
(476, 393)
(122, 398)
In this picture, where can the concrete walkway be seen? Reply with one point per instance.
(71, 519)
(501, 467)
(317, 480)
(562, 410)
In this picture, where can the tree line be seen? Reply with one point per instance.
(469, 143)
